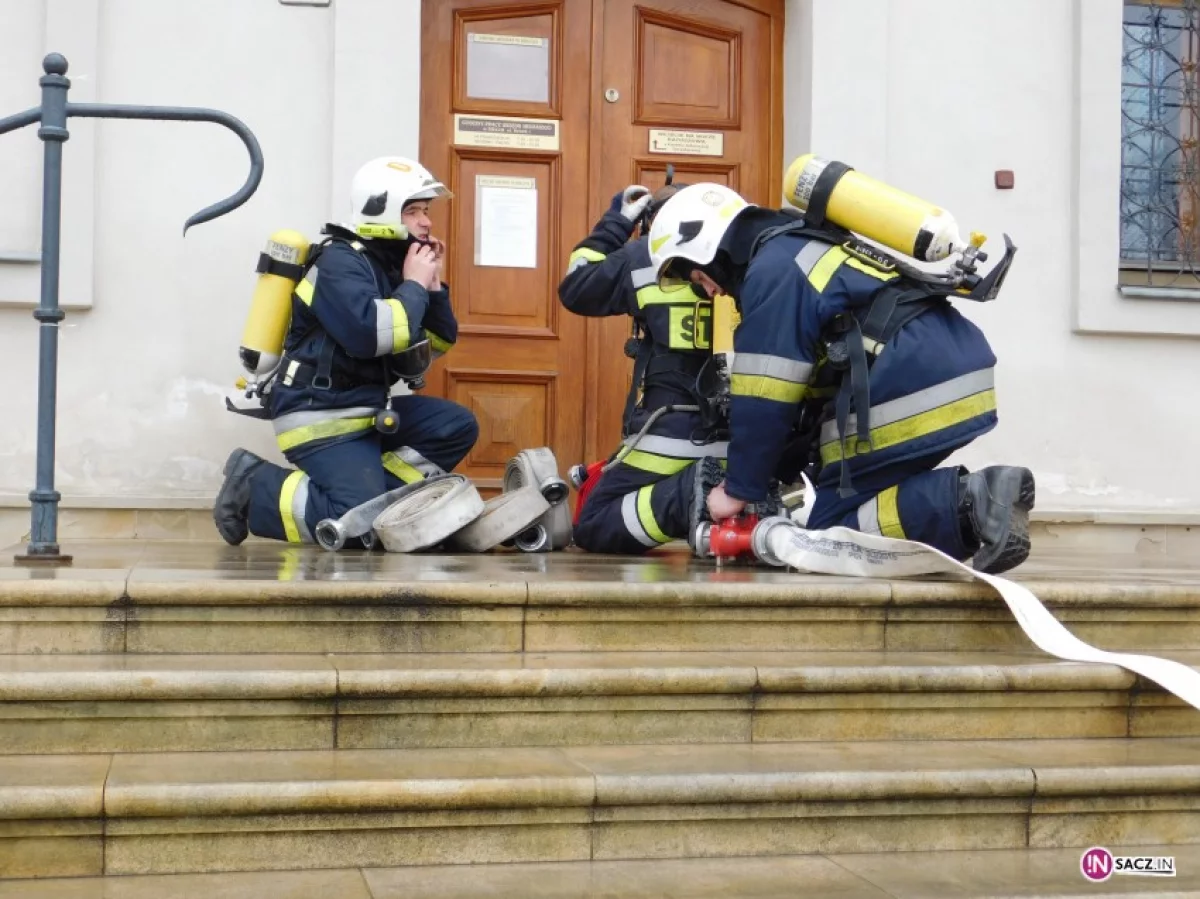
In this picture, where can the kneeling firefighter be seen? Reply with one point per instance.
(673, 436)
(368, 308)
(822, 309)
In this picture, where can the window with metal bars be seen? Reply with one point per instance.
(1160, 146)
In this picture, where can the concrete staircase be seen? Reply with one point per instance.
(184, 709)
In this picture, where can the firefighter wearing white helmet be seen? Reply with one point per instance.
(382, 189)
(854, 365)
(637, 498)
(372, 309)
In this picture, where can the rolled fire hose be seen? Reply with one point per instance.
(504, 517)
(435, 509)
(780, 542)
(332, 533)
(539, 468)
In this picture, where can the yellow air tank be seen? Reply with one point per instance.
(873, 209)
(271, 305)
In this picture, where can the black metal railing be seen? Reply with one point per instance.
(53, 114)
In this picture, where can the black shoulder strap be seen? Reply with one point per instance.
(827, 232)
(640, 362)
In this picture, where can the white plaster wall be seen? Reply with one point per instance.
(143, 373)
(933, 96)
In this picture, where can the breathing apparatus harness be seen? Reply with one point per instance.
(856, 337)
(691, 374)
(409, 366)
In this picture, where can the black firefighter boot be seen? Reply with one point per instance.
(709, 474)
(993, 508)
(231, 509)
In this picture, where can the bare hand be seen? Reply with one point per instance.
(721, 505)
(421, 265)
(439, 253)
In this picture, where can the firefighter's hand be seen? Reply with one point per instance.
(632, 201)
(439, 254)
(721, 505)
(421, 265)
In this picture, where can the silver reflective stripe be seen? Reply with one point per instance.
(419, 462)
(294, 420)
(679, 447)
(385, 332)
(643, 277)
(772, 366)
(811, 255)
(632, 523)
(916, 403)
(291, 373)
(311, 276)
(579, 262)
(868, 517)
(299, 506)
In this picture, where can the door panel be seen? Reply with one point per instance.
(518, 352)
(701, 71)
(534, 374)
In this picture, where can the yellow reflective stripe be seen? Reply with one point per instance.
(304, 290)
(767, 388)
(653, 295)
(401, 469)
(586, 254)
(399, 326)
(439, 344)
(868, 269)
(646, 516)
(687, 330)
(286, 495)
(654, 463)
(889, 514)
(333, 428)
(826, 266)
(921, 425)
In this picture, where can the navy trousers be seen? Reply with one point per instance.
(632, 510)
(910, 500)
(433, 437)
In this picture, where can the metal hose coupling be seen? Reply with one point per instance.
(760, 539)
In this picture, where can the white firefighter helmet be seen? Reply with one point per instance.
(380, 190)
(690, 226)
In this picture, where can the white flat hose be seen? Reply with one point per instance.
(504, 517)
(433, 511)
(842, 551)
(539, 468)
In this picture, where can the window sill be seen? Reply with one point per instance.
(1180, 294)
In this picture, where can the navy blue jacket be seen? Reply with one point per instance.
(353, 304)
(609, 274)
(931, 386)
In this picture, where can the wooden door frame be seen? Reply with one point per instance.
(598, 199)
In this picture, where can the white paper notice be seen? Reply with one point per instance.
(506, 233)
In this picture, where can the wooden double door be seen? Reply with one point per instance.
(535, 114)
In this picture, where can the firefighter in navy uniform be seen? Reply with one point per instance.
(928, 392)
(645, 498)
(371, 306)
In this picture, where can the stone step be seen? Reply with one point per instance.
(428, 604)
(983, 874)
(147, 703)
(209, 812)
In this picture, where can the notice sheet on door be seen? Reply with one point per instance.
(506, 232)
